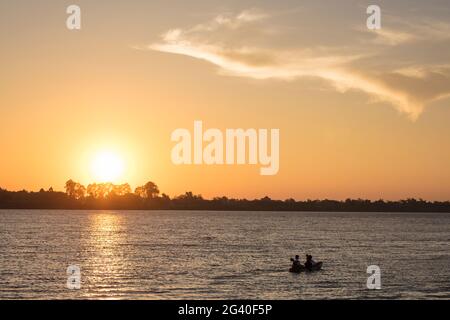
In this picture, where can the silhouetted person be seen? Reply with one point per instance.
(309, 264)
(296, 264)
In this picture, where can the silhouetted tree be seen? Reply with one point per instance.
(108, 189)
(165, 196)
(189, 196)
(148, 191)
(75, 190)
(121, 190)
(110, 196)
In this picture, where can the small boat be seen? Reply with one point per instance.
(302, 268)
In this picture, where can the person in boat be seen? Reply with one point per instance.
(296, 264)
(309, 264)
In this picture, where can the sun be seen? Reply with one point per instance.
(107, 166)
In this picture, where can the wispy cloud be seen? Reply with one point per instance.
(406, 88)
(390, 37)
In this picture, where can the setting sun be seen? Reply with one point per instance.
(107, 166)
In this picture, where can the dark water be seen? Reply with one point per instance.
(206, 255)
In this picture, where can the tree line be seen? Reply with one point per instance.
(148, 197)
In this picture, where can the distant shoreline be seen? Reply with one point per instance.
(218, 210)
(52, 200)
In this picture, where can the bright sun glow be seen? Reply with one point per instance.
(107, 167)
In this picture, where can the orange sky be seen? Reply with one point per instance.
(360, 113)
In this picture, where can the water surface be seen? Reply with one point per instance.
(221, 255)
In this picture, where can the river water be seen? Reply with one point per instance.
(222, 255)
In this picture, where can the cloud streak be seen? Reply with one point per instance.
(408, 88)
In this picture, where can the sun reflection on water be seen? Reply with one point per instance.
(107, 258)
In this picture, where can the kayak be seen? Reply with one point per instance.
(302, 268)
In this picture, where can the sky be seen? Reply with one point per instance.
(362, 113)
